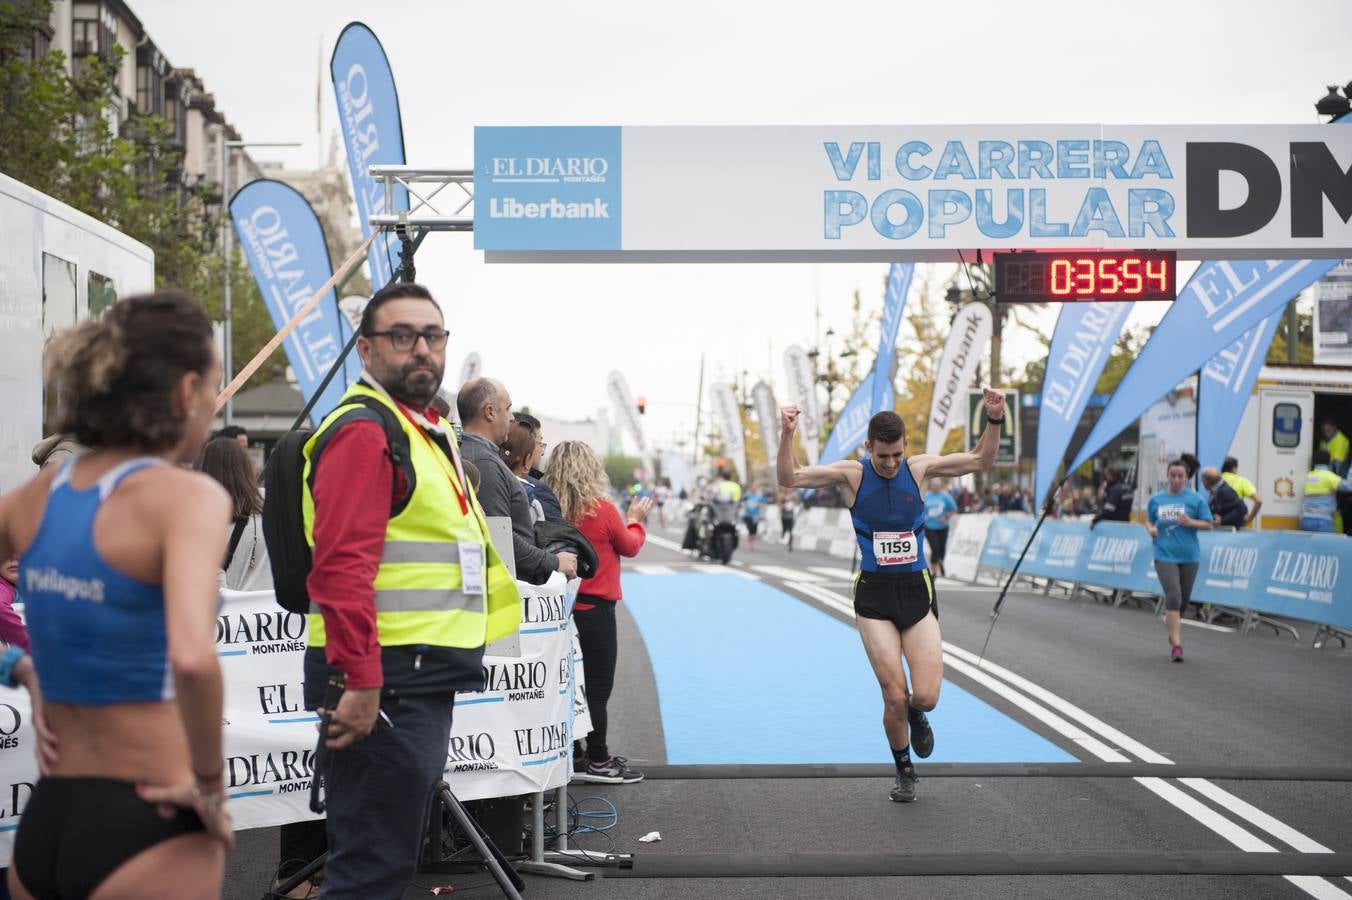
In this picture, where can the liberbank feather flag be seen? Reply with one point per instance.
(894, 304)
(1224, 388)
(852, 427)
(284, 244)
(373, 132)
(1220, 302)
(803, 394)
(966, 345)
(729, 417)
(1081, 345)
(763, 397)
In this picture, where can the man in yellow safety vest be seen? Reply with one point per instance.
(405, 589)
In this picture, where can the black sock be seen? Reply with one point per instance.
(902, 758)
(914, 715)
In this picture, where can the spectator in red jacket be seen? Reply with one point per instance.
(579, 479)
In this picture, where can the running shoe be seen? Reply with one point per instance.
(922, 736)
(1176, 654)
(904, 790)
(613, 771)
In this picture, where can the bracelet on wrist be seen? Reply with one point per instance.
(207, 779)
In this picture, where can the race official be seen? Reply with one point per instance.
(1242, 487)
(406, 589)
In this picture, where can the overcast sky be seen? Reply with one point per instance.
(552, 332)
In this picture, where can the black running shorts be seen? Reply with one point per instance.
(903, 598)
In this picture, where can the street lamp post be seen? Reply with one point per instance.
(227, 311)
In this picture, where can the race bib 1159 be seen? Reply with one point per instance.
(895, 548)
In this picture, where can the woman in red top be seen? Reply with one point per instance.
(578, 478)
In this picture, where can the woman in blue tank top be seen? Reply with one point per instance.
(894, 599)
(118, 551)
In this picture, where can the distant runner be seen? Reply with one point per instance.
(894, 601)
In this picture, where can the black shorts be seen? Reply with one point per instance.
(76, 831)
(938, 541)
(903, 599)
(752, 525)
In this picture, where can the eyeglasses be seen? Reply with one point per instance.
(407, 338)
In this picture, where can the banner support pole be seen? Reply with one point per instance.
(995, 613)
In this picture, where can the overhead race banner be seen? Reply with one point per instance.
(1224, 389)
(1333, 317)
(373, 132)
(1081, 345)
(911, 192)
(284, 244)
(626, 411)
(803, 394)
(894, 304)
(1220, 302)
(728, 414)
(851, 428)
(965, 347)
(767, 413)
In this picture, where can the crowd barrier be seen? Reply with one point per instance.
(513, 738)
(1289, 574)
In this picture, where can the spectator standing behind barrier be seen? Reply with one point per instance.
(1242, 487)
(486, 414)
(540, 491)
(118, 550)
(1226, 507)
(1115, 505)
(405, 590)
(579, 479)
(1337, 445)
(246, 566)
(12, 630)
(521, 452)
(1319, 504)
(1174, 518)
(247, 569)
(940, 507)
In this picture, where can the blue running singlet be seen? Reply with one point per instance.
(98, 636)
(889, 518)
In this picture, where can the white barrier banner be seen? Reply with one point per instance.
(513, 738)
(966, 537)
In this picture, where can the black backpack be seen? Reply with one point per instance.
(283, 520)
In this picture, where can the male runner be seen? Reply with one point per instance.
(894, 600)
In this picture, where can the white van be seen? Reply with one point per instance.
(57, 266)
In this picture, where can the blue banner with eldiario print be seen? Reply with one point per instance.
(547, 188)
(1294, 574)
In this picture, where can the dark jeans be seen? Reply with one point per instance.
(379, 792)
(596, 635)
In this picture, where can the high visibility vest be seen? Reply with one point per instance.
(1321, 494)
(1337, 446)
(418, 595)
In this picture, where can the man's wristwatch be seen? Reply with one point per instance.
(999, 421)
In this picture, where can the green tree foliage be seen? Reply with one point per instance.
(55, 136)
(620, 470)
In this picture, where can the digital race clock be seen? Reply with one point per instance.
(1075, 276)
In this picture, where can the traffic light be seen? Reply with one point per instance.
(642, 405)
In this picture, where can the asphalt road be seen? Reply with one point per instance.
(1093, 679)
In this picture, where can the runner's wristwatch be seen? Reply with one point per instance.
(999, 421)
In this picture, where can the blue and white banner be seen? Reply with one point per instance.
(1224, 389)
(373, 132)
(894, 304)
(1221, 301)
(851, 428)
(803, 394)
(284, 244)
(1081, 345)
(728, 416)
(767, 413)
(908, 193)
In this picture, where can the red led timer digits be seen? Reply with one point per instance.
(1108, 277)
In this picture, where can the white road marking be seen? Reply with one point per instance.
(966, 662)
(651, 569)
(832, 572)
(787, 574)
(1196, 624)
(664, 543)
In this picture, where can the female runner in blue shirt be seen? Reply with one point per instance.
(1174, 518)
(118, 554)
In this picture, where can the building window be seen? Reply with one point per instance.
(84, 37)
(102, 294)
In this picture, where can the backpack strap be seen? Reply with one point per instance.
(370, 409)
(235, 535)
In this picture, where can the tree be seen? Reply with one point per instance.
(620, 470)
(55, 136)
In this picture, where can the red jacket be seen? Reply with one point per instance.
(612, 537)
